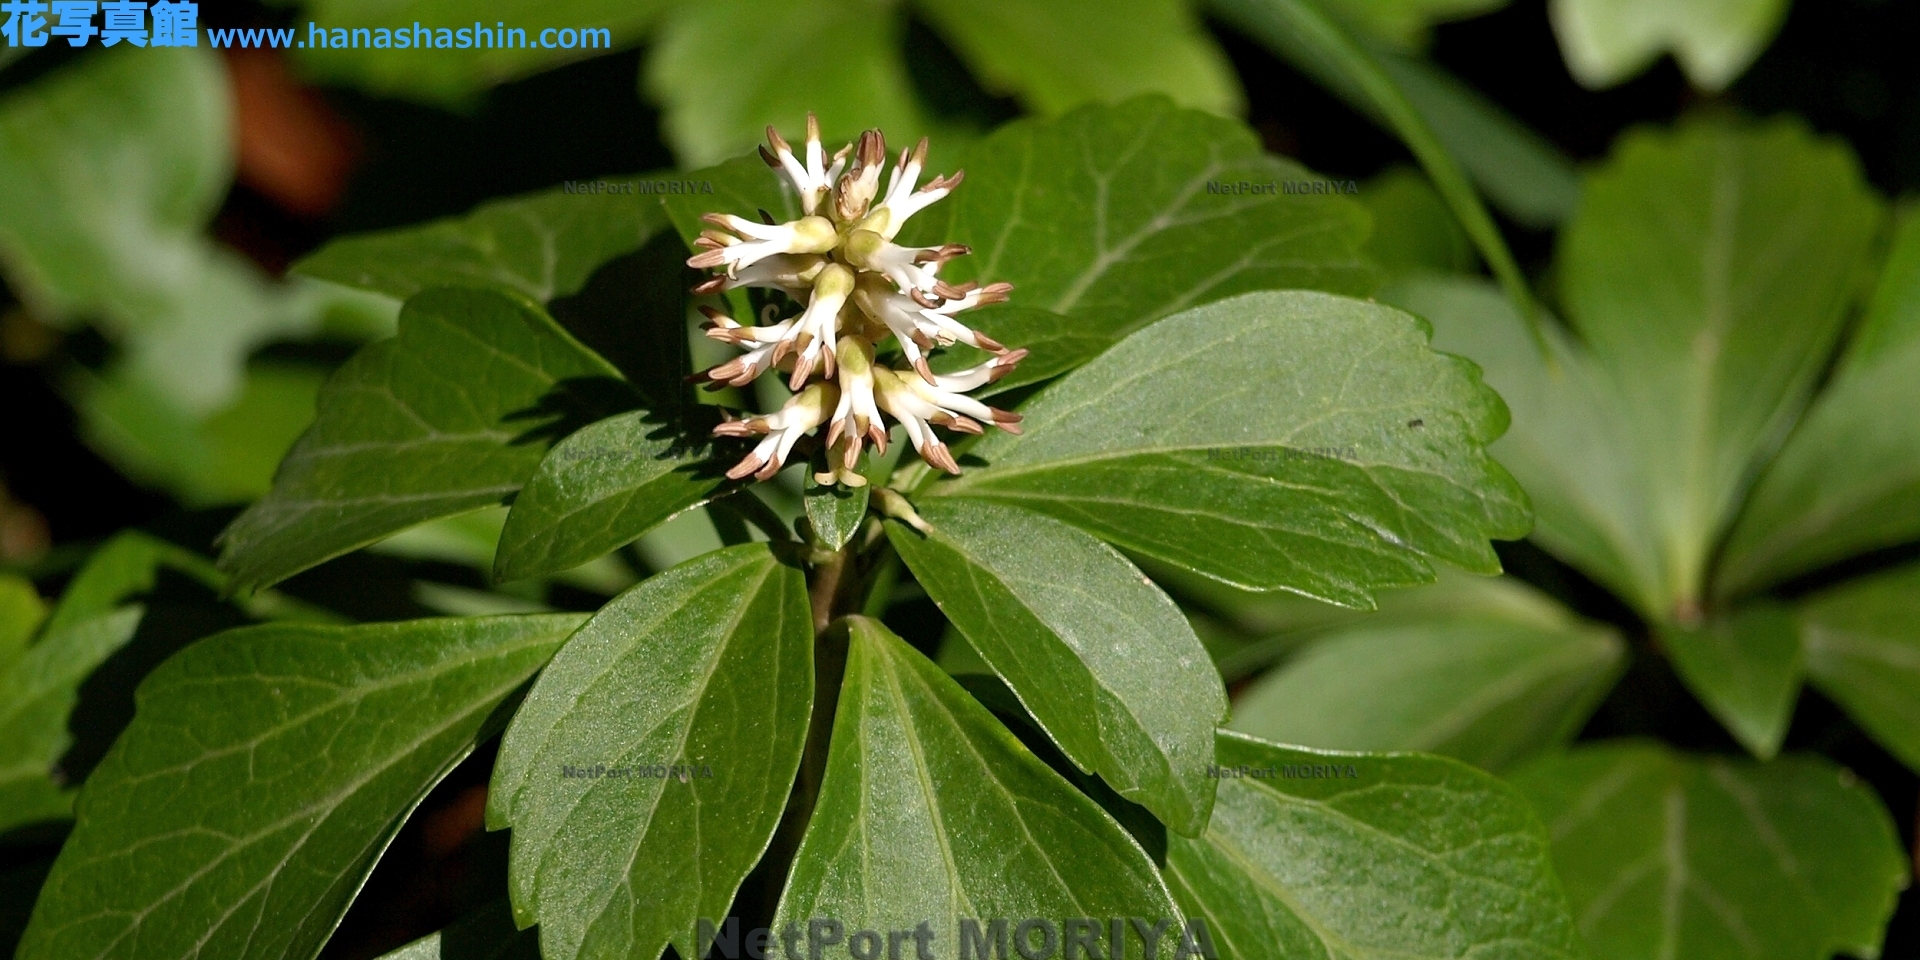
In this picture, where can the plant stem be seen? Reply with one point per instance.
(825, 593)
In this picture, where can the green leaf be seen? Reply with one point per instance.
(1314, 854)
(227, 456)
(21, 613)
(1606, 42)
(742, 186)
(600, 489)
(1297, 31)
(650, 764)
(932, 811)
(263, 774)
(1863, 650)
(1058, 55)
(1709, 270)
(1281, 440)
(451, 75)
(1746, 669)
(543, 245)
(1106, 216)
(486, 935)
(1263, 628)
(1102, 659)
(110, 170)
(37, 692)
(1485, 689)
(840, 59)
(1668, 855)
(123, 567)
(453, 413)
(1407, 23)
(1104, 220)
(1058, 344)
(1413, 231)
(835, 511)
(1848, 479)
(1568, 445)
(1521, 172)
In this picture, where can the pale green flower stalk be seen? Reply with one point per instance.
(856, 288)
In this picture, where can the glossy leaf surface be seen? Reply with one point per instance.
(1746, 668)
(1848, 479)
(543, 245)
(1664, 854)
(1709, 269)
(1282, 440)
(602, 488)
(932, 811)
(650, 763)
(1357, 857)
(265, 771)
(1486, 689)
(1100, 657)
(452, 414)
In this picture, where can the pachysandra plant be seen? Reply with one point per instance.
(738, 754)
(1688, 451)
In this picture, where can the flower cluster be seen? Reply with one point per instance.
(856, 287)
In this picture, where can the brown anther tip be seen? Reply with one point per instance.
(937, 454)
(944, 183)
(767, 157)
(779, 142)
(707, 259)
(713, 285)
(921, 340)
(942, 254)
(813, 126)
(948, 291)
(920, 152)
(920, 297)
(715, 315)
(766, 473)
(743, 468)
(926, 372)
(987, 343)
(967, 425)
(714, 219)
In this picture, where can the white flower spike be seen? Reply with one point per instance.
(855, 288)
